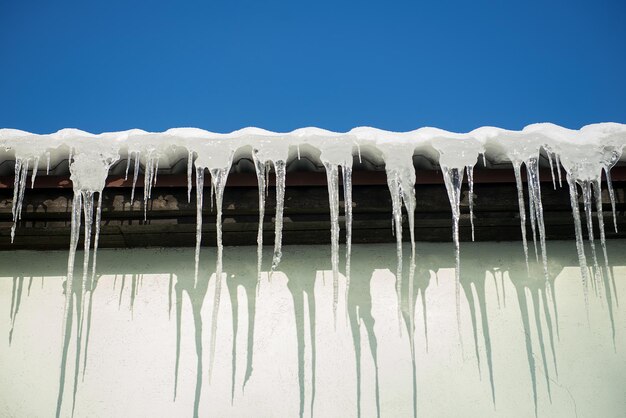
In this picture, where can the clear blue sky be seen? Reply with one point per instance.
(222, 65)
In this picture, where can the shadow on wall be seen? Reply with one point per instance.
(363, 362)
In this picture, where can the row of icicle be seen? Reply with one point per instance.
(584, 154)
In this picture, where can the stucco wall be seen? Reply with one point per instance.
(512, 343)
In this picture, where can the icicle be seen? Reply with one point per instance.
(135, 175)
(453, 178)
(128, 158)
(582, 260)
(549, 154)
(609, 185)
(212, 197)
(534, 189)
(19, 188)
(484, 159)
(558, 168)
(156, 171)
(332, 177)
(298, 146)
(97, 236)
(470, 180)
(532, 213)
(47, 163)
(393, 182)
(598, 195)
(358, 149)
(88, 215)
(280, 168)
(268, 167)
(16, 191)
(522, 209)
(347, 199)
(147, 184)
(189, 168)
(587, 200)
(74, 236)
(199, 194)
(34, 174)
(69, 292)
(218, 179)
(259, 167)
(23, 179)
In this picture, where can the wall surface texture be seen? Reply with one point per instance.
(144, 346)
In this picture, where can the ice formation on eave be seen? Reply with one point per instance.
(584, 154)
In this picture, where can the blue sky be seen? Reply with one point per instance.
(223, 65)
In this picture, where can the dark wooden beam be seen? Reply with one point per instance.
(171, 218)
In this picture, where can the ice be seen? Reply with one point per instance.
(588, 201)
(609, 185)
(259, 167)
(280, 168)
(332, 175)
(218, 178)
(470, 180)
(522, 209)
(269, 149)
(97, 235)
(549, 154)
(199, 195)
(135, 176)
(89, 170)
(455, 155)
(19, 187)
(558, 169)
(35, 167)
(189, 171)
(128, 158)
(336, 154)
(453, 178)
(347, 198)
(534, 196)
(582, 260)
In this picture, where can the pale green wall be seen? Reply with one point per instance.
(132, 353)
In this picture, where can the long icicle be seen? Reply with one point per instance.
(609, 185)
(393, 182)
(582, 260)
(332, 177)
(259, 168)
(218, 179)
(522, 209)
(22, 191)
(532, 213)
(281, 171)
(34, 174)
(587, 201)
(347, 199)
(69, 288)
(135, 176)
(147, 184)
(597, 191)
(16, 190)
(534, 188)
(189, 168)
(549, 154)
(199, 198)
(470, 180)
(453, 178)
(93, 274)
